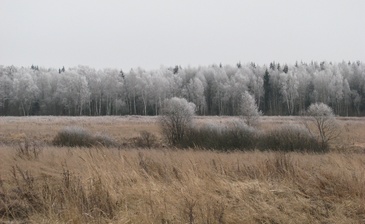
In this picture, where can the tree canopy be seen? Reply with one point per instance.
(214, 89)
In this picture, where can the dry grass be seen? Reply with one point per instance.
(43, 129)
(103, 185)
(174, 186)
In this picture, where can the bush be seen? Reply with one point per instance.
(291, 138)
(146, 140)
(235, 135)
(73, 137)
(104, 140)
(79, 137)
(322, 122)
(177, 115)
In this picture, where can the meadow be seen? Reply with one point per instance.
(127, 184)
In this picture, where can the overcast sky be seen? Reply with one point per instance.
(125, 34)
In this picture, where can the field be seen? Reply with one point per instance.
(166, 185)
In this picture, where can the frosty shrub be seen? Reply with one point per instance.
(177, 116)
(290, 138)
(79, 137)
(321, 122)
(103, 139)
(249, 111)
(230, 136)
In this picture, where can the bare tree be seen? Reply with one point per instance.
(177, 115)
(322, 122)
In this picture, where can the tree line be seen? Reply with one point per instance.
(215, 89)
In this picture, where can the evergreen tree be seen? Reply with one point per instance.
(286, 69)
(175, 70)
(272, 66)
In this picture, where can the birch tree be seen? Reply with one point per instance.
(249, 109)
(25, 90)
(289, 90)
(324, 123)
(177, 116)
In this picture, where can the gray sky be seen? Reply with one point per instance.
(130, 33)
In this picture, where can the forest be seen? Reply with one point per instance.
(279, 89)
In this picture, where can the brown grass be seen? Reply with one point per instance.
(100, 185)
(43, 129)
(125, 128)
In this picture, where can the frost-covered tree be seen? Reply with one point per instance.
(215, 89)
(194, 92)
(96, 86)
(131, 84)
(323, 123)
(249, 109)
(275, 94)
(83, 93)
(303, 88)
(158, 89)
(25, 91)
(113, 87)
(289, 90)
(143, 88)
(321, 80)
(346, 96)
(256, 82)
(238, 82)
(73, 92)
(336, 90)
(177, 116)
(6, 89)
(43, 80)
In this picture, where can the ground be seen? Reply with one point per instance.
(168, 185)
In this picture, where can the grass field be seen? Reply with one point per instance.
(166, 185)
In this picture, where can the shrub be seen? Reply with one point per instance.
(235, 135)
(146, 140)
(73, 137)
(291, 138)
(177, 115)
(104, 140)
(79, 137)
(325, 125)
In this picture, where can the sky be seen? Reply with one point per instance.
(126, 34)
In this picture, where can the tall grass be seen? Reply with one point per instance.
(47, 184)
(99, 185)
